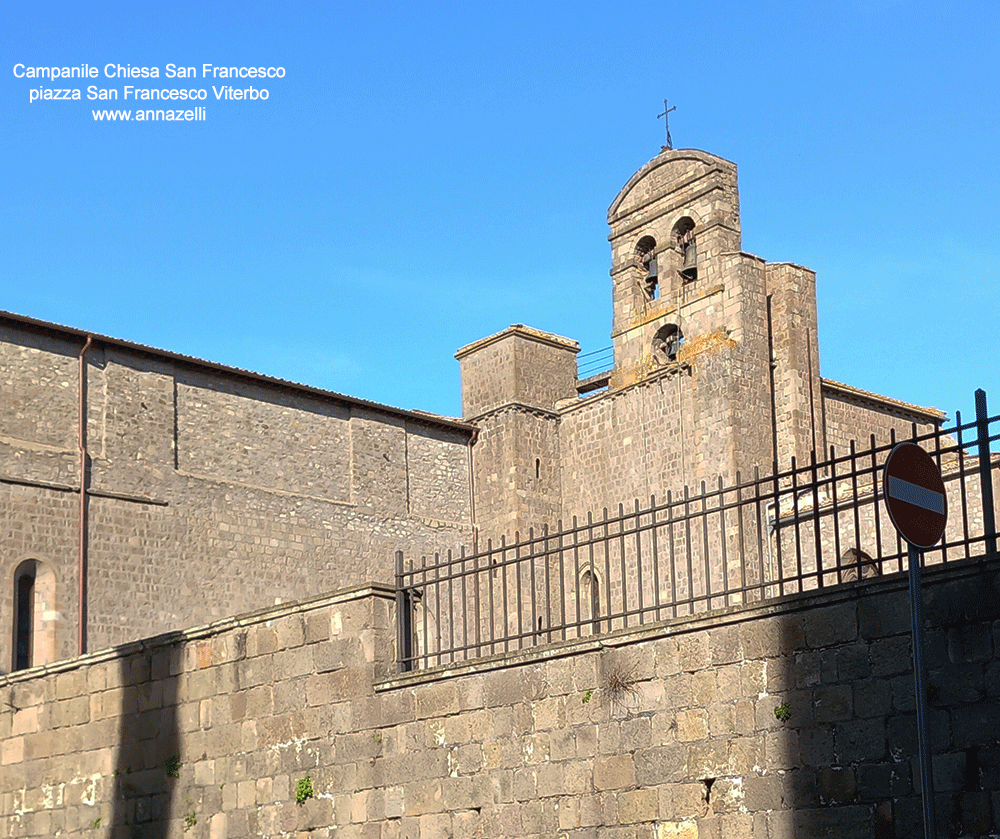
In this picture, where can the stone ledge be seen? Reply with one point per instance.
(208, 630)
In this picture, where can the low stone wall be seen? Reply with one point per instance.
(793, 718)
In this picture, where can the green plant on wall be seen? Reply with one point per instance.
(588, 696)
(304, 790)
(783, 712)
(190, 820)
(172, 767)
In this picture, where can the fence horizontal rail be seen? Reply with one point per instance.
(811, 526)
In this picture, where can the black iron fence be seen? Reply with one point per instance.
(815, 525)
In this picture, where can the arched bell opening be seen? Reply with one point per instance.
(645, 250)
(686, 244)
(667, 343)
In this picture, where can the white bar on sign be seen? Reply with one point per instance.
(918, 496)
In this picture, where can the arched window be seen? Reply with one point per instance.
(645, 250)
(684, 241)
(35, 615)
(855, 564)
(667, 343)
(24, 614)
(590, 601)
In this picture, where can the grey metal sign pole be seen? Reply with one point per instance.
(920, 688)
(918, 506)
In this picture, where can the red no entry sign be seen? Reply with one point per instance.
(914, 495)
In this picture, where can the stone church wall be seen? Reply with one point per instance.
(793, 718)
(850, 415)
(210, 492)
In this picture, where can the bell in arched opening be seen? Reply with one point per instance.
(687, 246)
(645, 250)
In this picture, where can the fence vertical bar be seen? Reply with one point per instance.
(985, 478)
(656, 559)
(876, 505)
(621, 557)
(687, 540)
(465, 607)
(722, 540)
(503, 590)
(817, 536)
(741, 539)
(607, 567)
(593, 570)
(548, 583)
(899, 538)
(451, 608)
(961, 483)
(490, 577)
(518, 591)
(673, 554)
(576, 584)
(776, 530)
(796, 522)
(638, 565)
(760, 534)
(704, 545)
(425, 602)
(476, 582)
(533, 632)
(437, 605)
(937, 461)
(836, 511)
(403, 651)
(857, 503)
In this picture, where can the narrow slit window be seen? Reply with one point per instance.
(25, 618)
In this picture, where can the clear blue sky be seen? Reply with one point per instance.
(427, 174)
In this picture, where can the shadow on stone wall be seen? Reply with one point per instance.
(844, 732)
(148, 768)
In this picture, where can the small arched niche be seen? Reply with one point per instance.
(855, 564)
(34, 630)
(685, 242)
(667, 343)
(645, 251)
(590, 603)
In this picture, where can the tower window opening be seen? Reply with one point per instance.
(645, 250)
(667, 343)
(686, 244)
(538, 468)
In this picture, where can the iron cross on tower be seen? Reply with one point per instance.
(666, 122)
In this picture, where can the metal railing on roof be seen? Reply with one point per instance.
(597, 361)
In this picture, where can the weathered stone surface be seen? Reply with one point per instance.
(532, 758)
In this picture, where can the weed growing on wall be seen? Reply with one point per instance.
(621, 690)
(172, 767)
(304, 790)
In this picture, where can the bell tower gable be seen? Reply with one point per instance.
(674, 230)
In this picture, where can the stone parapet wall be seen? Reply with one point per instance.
(791, 718)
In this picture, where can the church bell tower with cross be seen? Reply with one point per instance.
(717, 328)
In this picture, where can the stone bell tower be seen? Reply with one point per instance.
(690, 309)
(675, 240)
(716, 365)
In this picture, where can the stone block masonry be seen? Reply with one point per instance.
(790, 718)
(209, 491)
